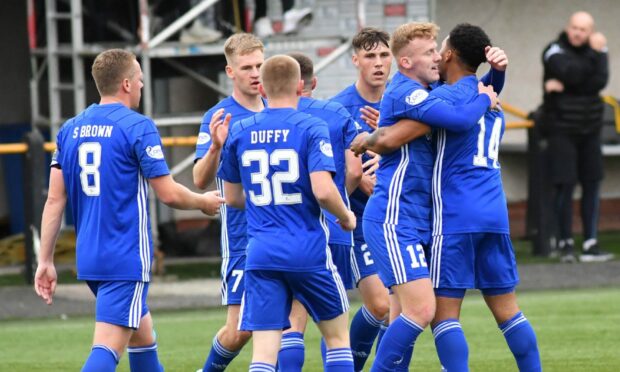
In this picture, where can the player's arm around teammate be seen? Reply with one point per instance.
(388, 139)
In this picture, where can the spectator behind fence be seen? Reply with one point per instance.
(279, 16)
(575, 71)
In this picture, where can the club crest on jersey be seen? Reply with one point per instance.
(155, 152)
(326, 149)
(203, 137)
(416, 97)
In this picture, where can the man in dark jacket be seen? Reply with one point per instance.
(575, 71)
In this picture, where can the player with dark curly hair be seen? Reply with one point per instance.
(471, 245)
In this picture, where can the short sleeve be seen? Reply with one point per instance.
(148, 150)
(320, 153)
(56, 162)
(229, 167)
(204, 136)
(351, 130)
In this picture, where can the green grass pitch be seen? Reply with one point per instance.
(578, 330)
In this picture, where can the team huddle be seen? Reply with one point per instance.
(393, 188)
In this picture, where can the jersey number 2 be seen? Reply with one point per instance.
(89, 154)
(277, 179)
(493, 148)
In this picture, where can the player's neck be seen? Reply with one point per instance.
(412, 76)
(306, 93)
(250, 102)
(455, 74)
(106, 100)
(283, 102)
(368, 92)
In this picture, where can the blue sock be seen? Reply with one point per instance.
(101, 359)
(323, 351)
(364, 330)
(451, 345)
(521, 340)
(382, 329)
(339, 360)
(403, 365)
(262, 367)
(219, 357)
(292, 352)
(398, 338)
(144, 358)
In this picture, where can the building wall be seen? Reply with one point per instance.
(523, 28)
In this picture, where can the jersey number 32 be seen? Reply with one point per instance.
(271, 189)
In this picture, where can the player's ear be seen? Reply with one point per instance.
(261, 90)
(229, 71)
(300, 87)
(448, 56)
(405, 62)
(126, 86)
(314, 81)
(355, 60)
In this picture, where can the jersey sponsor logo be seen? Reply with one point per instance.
(326, 149)
(357, 125)
(203, 137)
(416, 97)
(155, 152)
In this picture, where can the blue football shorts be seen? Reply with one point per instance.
(269, 294)
(397, 251)
(484, 261)
(341, 256)
(232, 287)
(363, 264)
(121, 303)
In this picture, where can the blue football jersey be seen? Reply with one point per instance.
(106, 154)
(468, 196)
(353, 102)
(342, 132)
(272, 155)
(403, 190)
(234, 227)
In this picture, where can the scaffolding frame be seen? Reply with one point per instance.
(148, 49)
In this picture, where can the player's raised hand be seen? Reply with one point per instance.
(488, 90)
(349, 223)
(496, 57)
(598, 41)
(219, 128)
(45, 282)
(372, 164)
(212, 202)
(358, 146)
(371, 116)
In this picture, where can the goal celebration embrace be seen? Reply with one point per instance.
(377, 212)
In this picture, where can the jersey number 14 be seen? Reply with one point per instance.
(480, 160)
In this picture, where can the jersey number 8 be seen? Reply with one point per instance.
(277, 179)
(90, 167)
